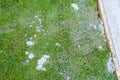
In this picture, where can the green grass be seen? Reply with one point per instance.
(62, 24)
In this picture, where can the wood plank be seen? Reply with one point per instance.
(110, 10)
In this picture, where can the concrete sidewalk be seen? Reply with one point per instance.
(110, 12)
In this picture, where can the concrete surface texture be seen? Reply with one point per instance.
(112, 12)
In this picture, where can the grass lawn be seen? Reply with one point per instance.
(72, 40)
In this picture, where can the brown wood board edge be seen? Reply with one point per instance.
(107, 34)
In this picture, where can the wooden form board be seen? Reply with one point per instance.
(110, 13)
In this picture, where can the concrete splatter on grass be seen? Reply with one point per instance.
(30, 43)
(30, 25)
(110, 64)
(30, 38)
(38, 29)
(101, 26)
(27, 52)
(58, 44)
(27, 61)
(68, 78)
(31, 56)
(100, 47)
(35, 16)
(78, 46)
(75, 6)
(25, 35)
(41, 61)
(35, 35)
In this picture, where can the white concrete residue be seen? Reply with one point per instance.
(68, 78)
(58, 44)
(27, 52)
(47, 43)
(35, 35)
(100, 47)
(38, 29)
(35, 16)
(78, 46)
(101, 26)
(110, 64)
(27, 61)
(40, 20)
(30, 43)
(94, 26)
(30, 38)
(60, 73)
(41, 61)
(31, 55)
(75, 6)
(45, 34)
(30, 26)
(25, 35)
